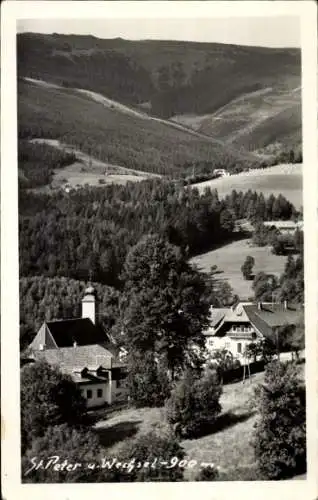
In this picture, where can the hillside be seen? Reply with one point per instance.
(111, 134)
(285, 179)
(244, 95)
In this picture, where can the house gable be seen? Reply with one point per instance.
(43, 339)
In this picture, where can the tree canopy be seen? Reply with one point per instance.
(164, 305)
(48, 398)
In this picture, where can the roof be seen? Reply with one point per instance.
(72, 360)
(284, 224)
(264, 320)
(81, 330)
(271, 316)
(216, 315)
(276, 314)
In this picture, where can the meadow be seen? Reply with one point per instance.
(229, 446)
(87, 170)
(233, 431)
(284, 179)
(229, 259)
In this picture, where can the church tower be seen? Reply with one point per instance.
(88, 304)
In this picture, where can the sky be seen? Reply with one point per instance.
(278, 31)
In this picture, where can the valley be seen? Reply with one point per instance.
(161, 259)
(246, 97)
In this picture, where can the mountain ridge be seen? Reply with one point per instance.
(220, 85)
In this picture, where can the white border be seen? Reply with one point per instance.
(11, 12)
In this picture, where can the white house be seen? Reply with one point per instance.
(237, 327)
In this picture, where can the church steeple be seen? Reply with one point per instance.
(88, 303)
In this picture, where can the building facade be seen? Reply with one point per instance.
(235, 328)
(81, 349)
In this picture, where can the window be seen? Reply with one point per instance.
(99, 393)
(89, 394)
(239, 347)
(227, 345)
(118, 383)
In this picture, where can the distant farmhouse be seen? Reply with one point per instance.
(235, 328)
(81, 349)
(285, 226)
(220, 172)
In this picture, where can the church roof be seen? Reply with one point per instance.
(81, 330)
(72, 359)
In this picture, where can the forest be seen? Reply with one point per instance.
(38, 161)
(172, 77)
(121, 139)
(93, 228)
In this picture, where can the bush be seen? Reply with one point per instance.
(47, 398)
(147, 383)
(77, 446)
(247, 267)
(194, 404)
(280, 437)
(207, 474)
(153, 449)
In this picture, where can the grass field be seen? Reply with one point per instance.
(228, 447)
(285, 179)
(229, 259)
(88, 170)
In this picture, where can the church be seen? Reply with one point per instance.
(83, 350)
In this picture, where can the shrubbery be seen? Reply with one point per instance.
(48, 398)
(148, 385)
(193, 406)
(64, 442)
(280, 436)
(153, 448)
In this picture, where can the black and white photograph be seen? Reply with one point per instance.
(162, 230)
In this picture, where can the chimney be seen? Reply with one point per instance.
(285, 305)
(74, 343)
(41, 347)
(88, 304)
(259, 306)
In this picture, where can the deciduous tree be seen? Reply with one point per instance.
(48, 398)
(165, 304)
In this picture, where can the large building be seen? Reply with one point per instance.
(234, 328)
(82, 349)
